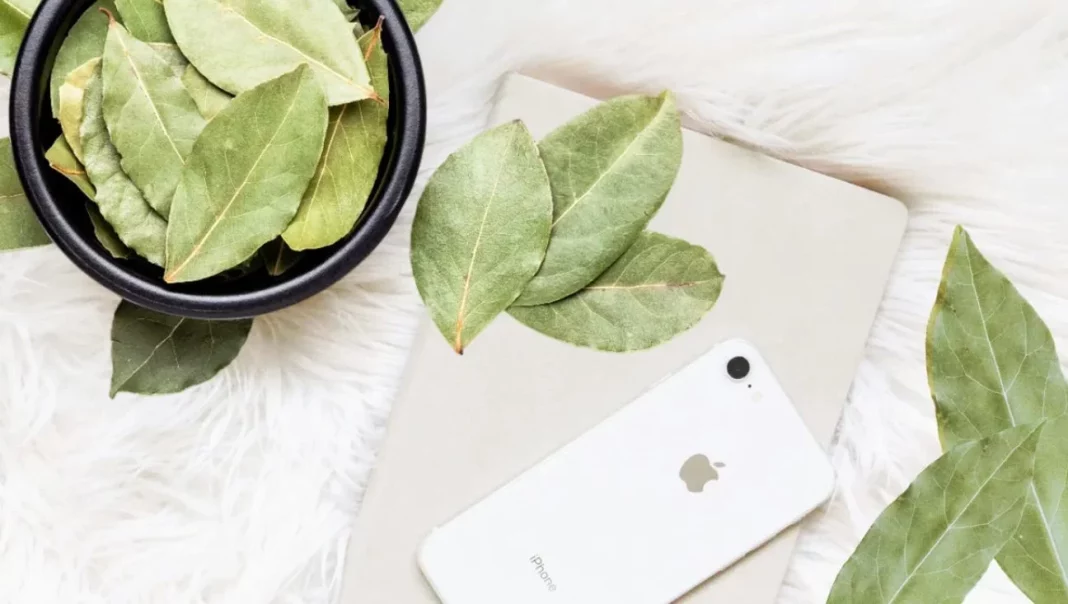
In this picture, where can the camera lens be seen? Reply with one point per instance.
(738, 368)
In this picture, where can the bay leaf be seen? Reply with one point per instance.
(120, 201)
(62, 160)
(106, 235)
(210, 99)
(72, 105)
(1034, 559)
(152, 118)
(418, 12)
(661, 287)
(992, 364)
(937, 539)
(278, 258)
(153, 353)
(145, 19)
(348, 168)
(19, 227)
(480, 231)
(84, 42)
(610, 170)
(239, 44)
(991, 360)
(14, 18)
(269, 139)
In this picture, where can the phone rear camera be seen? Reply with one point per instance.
(738, 368)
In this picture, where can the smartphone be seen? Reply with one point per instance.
(701, 469)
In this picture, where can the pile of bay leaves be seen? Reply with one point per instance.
(212, 138)
(194, 179)
(555, 233)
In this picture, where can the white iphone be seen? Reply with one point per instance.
(697, 472)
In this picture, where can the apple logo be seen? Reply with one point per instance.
(698, 471)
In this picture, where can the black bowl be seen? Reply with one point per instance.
(59, 204)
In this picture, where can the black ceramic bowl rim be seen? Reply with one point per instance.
(30, 96)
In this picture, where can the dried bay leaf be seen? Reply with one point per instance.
(19, 227)
(106, 235)
(661, 287)
(120, 201)
(210, 99)
(145, 19)
(418, 12)
(239, 44)
(348, 169)
(269, 139)
(278, 258)
(14, 17)
(1034, 559)
(72, 104)
(611, 169)
(938, 538)
(152, 118)
(991, 360)
(84, 42)
(153, 353)
(992, 364)
(61, 158)
(480, 231)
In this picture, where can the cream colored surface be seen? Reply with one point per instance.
(806, 259)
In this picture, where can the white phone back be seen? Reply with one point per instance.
(610, 518)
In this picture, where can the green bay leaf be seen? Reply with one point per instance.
(661, 287)
(72, 105)
(106, 235)
(348, 169)
(610, 170)
(938, 538)
(145, 19)
(153, 353)
(239, 44)
(480, 231)
(418, 12)
(269, 140)
(19, 227)
(992, 364)
(14, 17)
(151, 116)
(120, 201)
(1034, 559)
(84, 42)
(61, 158)
(210, 99)
(278, 258)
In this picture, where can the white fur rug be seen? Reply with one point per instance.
(241, 491)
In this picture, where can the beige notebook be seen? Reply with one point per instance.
(806, 260)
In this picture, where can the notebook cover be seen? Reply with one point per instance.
(806, 260)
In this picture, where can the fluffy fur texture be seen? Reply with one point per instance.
(241, 491)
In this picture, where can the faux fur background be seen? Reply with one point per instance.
(241, 491)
